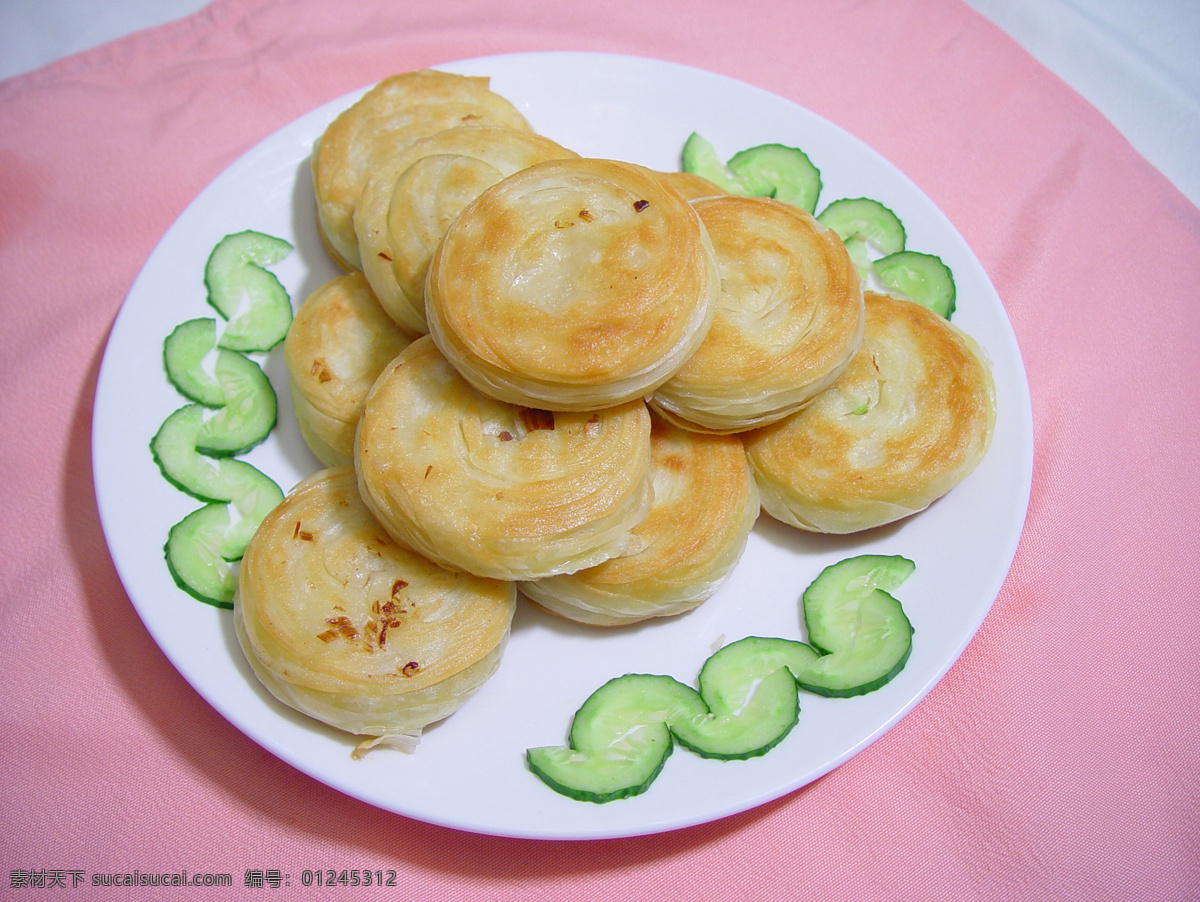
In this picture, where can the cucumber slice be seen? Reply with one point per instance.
(250, 297)
(604, 776)
(252, 500)
(861, 632)
(619, 739)
(202, 372)
(201, 546)
(775, 170)
(196, 556)
(923, 278)
(700, 158)
(751, 710)
(175, 450)
(867, 220)
(768, 170)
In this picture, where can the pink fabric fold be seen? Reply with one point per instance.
(1059, 757)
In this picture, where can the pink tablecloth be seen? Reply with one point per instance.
(1057, 760)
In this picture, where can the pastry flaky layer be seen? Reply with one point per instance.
(789, 318)
(691, 186)
(412, 197)
(572, 285)
(338, 343)
(705, 504)
(394, 113)
(497, 489)
(909, 419)
(344, 624)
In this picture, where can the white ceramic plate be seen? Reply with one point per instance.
(469, 771)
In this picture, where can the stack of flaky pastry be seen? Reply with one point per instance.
(579, 379)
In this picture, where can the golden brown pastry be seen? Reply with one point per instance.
(788, 320)
(412, 197)
(691, 186)
(493, 488)
(907, 421)
(394, 113)
(342, 623)
(573, 285)
(339, 341)
(705, 504)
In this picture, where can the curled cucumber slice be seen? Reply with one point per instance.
(233, 409)
(206, 373)
(243, 422)
(865, 220)
(749, 712)
(619, 739)
(775, 170)
(198, 556)
(768, 170)
(923, 278)
(247, 295)
(748, 696)
(861, 633)
(700, 158)
(202, 547)
(175, 448)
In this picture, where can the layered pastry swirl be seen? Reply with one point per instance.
(411, 199)
(493, 488)
(909, 419)
(339, 341)
(705, 504)
(573, 285)
(394, 113)
(344, 624)
(788, 320)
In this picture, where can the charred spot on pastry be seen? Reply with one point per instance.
(534, 419)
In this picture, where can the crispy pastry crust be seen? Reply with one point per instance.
(691, 186)
(705, 504)
(907, 421)
(394, 113)
(339, 341)
(788, 320)
(572, 285)
(493, 488)
(342, 623)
